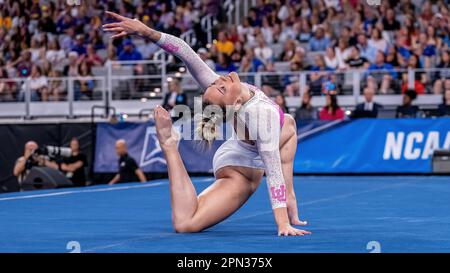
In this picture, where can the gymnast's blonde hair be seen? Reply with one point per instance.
(207, 128)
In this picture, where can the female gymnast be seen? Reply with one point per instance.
(267, 144)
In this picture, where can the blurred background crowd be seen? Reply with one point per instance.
(44, 39)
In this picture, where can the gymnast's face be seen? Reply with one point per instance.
(225, 91)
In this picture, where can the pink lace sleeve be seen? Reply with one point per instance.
(195, 65)
(264, 126)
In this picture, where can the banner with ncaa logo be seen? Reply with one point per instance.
(144, 148)
(374, 146)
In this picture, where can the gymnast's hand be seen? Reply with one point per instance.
(126, 26)
(288, 230)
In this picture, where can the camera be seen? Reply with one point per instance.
(53, 151)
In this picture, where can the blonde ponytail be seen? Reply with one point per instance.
(207, 129)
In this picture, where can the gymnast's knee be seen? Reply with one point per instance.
(187, 227)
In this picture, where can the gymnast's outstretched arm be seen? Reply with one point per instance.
(171, 44)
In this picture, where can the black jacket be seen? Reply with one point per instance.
(361, 113)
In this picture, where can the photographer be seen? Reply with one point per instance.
(74, 165)
(29, 160)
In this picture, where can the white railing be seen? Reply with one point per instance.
(121, 87)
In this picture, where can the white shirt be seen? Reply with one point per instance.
(55, 56)
(342, 56)
(264, 53)
(368, 106)
(380, 44)
(331, 63)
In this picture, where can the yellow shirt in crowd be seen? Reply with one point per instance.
(5, 22)
(226, 47)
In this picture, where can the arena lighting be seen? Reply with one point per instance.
(214, 41)
(157, 90)
(208, 46)
(348, 112)
(178, 74)
(143, 99)
(169, 79)
(152, 94)
(182, 69)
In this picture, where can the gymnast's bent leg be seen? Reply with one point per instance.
(189, 212)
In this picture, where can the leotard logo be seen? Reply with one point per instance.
(278, 194)
(170, 48)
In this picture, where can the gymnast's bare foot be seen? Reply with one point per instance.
(168, 138)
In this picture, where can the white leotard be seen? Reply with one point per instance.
(261, 117)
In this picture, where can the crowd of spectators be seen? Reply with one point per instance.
(329, 37)
(43, 39)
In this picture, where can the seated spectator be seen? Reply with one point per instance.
(369, 108)
(68, 42)
(291, 81)
(392, 57)
(85, 84)
(443, 72)
(262, 51)
(319, 42)
(444, 108)
(367, 51)
(319, 75)
(57, 86)
(71, 69)
(389, 22)
(383, 72)
(288, 51)
(331, 111)
(129, 52)
(129, 170)
(147, 49)
(356, 60)
(74, 166)
(64, 23)
(96, 39)
(306, 110)
(79, 45)
(407, 110)
(35, 49)
(419, 77)
(175, 96)
(269, 80)
(343, 52)
(224, 45)
(238, 52)
(280, 100)
(6, 92)
(91, 57)
(24, 64)
(37, 84)
(55, 55)
(330, 58)
(30, 159)
(377, 41)
(224, 64)
(204, 55)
